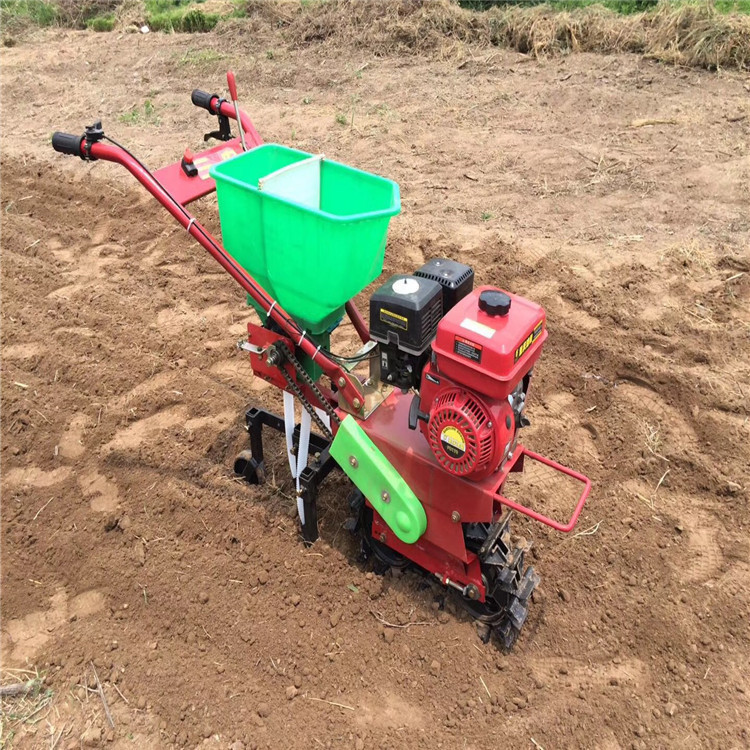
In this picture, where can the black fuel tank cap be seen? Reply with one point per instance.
(494, 303)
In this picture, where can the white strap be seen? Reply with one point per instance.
(299, 462)
(289, 431)
(304, 444)
(326, 419)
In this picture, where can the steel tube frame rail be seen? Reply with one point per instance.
(336, 372)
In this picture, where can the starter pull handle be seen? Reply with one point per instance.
(415, 414)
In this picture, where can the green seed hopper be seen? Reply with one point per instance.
(311, 231)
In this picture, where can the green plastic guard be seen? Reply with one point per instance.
(375, 476)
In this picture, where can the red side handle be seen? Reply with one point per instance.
(557, 525)
(232, 83)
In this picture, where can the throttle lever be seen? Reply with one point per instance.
(232, 83)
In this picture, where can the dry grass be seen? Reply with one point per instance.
(21, 713)
(684, 34)
(693, 256)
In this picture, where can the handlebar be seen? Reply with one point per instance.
(203, 100)
(564, 526)
(74, 145)
(79, 145)
(66, 143)
(215, 105)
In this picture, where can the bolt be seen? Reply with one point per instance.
(383, 537)
(341, 382)
(274, 357)
(472, 591)
(386, 497)
(455, 516)
(356, 403)
(353, 462)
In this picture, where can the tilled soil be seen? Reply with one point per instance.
(612, 190)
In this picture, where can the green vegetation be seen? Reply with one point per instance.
(38, 12)
(101, 23)
(18, 14)
(99, 15)
(177, 15)
(191, 21)
(141, 115)
(341, 119)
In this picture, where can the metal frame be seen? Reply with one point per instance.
(396, 440)
(312, 475)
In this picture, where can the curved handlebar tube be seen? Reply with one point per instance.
(348, 386)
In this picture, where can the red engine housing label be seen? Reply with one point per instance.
(465, 348)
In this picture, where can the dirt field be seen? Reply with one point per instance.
(128, 543)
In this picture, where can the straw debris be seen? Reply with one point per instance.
(690, 34)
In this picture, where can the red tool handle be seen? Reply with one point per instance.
(232, 83)
(557, 525)
(68, 144)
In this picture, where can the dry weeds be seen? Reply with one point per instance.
(685, 34)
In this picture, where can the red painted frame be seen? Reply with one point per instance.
(443, 494)
(187, 189)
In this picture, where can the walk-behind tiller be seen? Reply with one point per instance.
(429, 433)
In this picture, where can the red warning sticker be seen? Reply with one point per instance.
(465, 348)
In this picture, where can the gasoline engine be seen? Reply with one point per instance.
(467, 356)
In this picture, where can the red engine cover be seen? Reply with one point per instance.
(489, 354)
(479, 360)
(466, 436)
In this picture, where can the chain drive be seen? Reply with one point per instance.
(286, 355)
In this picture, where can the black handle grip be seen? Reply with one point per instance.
(415, 413)
(202, 99)
(65, 143)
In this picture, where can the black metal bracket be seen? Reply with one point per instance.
(250, 464)
(224, 133)
(93, 134)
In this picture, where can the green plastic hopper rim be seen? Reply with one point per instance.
(396, 209)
